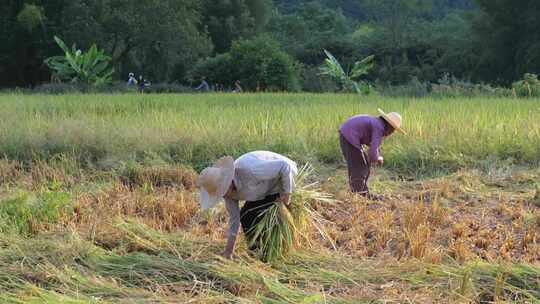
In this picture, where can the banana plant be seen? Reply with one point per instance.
(92, 67)
(349, 81)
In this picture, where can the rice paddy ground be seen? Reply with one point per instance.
(98, 201)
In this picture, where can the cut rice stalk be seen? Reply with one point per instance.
(281, 229)
(275, 234)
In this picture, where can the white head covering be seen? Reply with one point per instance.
(214, 182)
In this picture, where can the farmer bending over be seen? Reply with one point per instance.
(360, 131)
(259, 178)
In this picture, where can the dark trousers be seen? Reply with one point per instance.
(250, 217)
(358, 166)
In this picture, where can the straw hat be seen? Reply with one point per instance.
(394, 119)
(214, 182)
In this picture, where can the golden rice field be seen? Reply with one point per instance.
(98, 201)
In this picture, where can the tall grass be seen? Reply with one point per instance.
(444, 134)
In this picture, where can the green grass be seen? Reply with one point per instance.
(444, 134)
(25, 215)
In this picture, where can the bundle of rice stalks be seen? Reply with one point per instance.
(283, 228)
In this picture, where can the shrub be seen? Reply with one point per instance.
(529, 86)
(313, 82)
(447, 86)
(216, 69)
(159, 88)
(415, 88)
(258, 63)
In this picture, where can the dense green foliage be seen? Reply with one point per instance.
(349, 81)
(529, 86)
(227, 21)
(510, 39)
(156, 38)
(258, 63)
(487, 41)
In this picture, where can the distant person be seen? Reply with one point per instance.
(143, 83)
(203, 87)
(132, 81)
(360, 131)
(237, 87)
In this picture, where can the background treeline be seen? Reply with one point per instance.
(277, 45)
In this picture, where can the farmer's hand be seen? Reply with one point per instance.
(285, 198)
(380, 161)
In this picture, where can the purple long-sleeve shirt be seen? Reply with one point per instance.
(364, 130)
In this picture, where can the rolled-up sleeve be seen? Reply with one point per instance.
(376, 140)
(233, 209)
(288, 172)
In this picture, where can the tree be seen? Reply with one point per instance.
(508, 39)
(396, 16)
(30, 17)
(412, 40)
(230, 20)
(157, 38)
(217, 70)
(310, 29)
(349, 81)
(350, 8)
(21, 32)
(260, 12)
(257, 63)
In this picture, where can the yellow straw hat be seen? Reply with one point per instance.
(214, 182)
(394, 119)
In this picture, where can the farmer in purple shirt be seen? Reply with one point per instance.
(360, 131)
